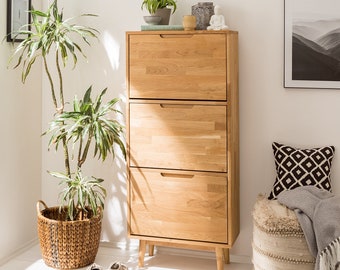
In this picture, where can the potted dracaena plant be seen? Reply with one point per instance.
(69, 234)
(159, 11)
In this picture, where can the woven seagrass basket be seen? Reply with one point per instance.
(67, 244)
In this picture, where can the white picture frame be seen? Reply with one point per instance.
(312, 44)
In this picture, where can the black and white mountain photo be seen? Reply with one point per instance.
(316, 50)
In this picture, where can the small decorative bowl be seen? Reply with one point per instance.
(152, 19)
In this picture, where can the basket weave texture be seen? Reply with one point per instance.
(67, 244)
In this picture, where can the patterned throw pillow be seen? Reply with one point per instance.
(301, 167)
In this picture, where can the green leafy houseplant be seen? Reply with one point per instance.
(87, 123)
(153, 5)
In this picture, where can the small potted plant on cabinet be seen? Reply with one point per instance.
(70, 234)
(159, 9)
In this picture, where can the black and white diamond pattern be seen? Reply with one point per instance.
(301, 167)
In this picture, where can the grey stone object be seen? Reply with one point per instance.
(203, 12)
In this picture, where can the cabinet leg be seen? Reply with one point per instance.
(151, 250)
(219, 258)
(141, 253)
(226, 256)
(222, 254)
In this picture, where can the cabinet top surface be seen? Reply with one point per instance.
(181, 32)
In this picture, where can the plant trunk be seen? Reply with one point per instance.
(59, 109)
(86, 150)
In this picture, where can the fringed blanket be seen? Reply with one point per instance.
(330, 256)
(318, 212)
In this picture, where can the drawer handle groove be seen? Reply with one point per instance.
(175, 36)
(184, 106)
(177, 175)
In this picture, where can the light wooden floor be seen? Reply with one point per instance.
(31, 260)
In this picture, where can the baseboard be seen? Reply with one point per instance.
(128, 246)
(201, 254)
(241, 259)
(20, 250)
(177, 251)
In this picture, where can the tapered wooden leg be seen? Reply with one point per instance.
(226, 256)
(151, 250)
(219, 258)
(141, 253)
(222, 254)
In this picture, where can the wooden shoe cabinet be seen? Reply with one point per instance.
(183, 141)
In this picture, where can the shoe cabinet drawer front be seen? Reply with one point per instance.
(178, 205)
(175, 135)
(177, 66)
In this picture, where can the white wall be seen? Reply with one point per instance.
(20, 144)
(268, 112)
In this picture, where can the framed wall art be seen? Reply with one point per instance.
(312, 44)
(18, 17)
